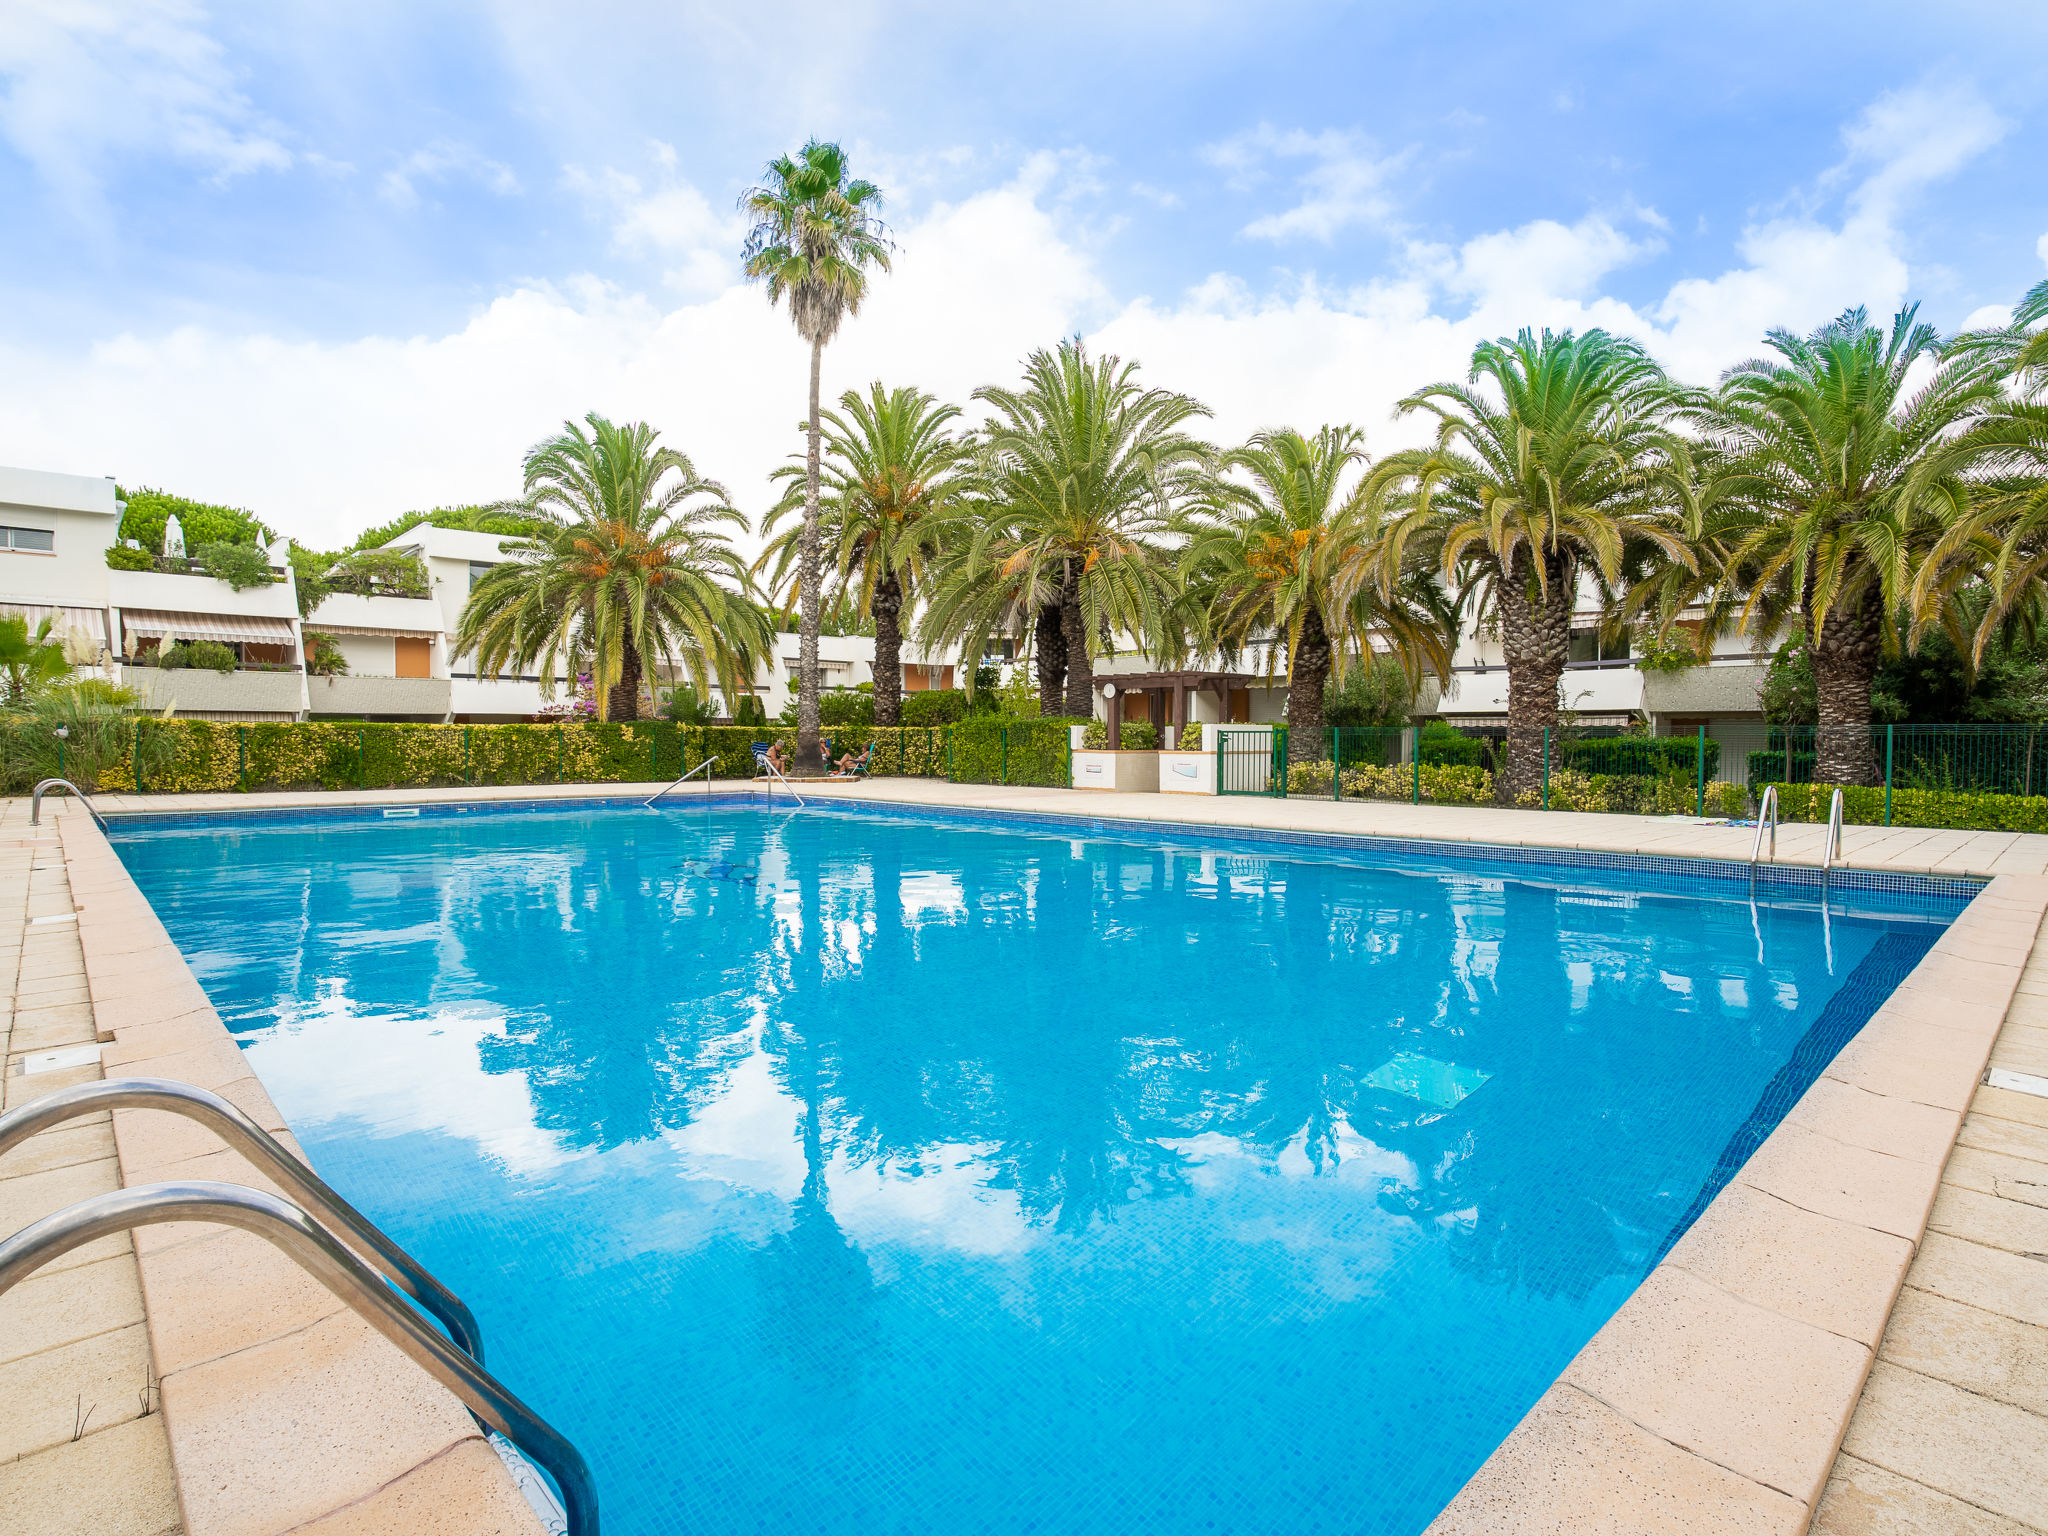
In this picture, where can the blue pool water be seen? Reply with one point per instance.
(841, 1172)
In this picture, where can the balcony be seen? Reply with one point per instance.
(202, 693)
(417, 698)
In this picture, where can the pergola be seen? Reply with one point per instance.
(1167, 693)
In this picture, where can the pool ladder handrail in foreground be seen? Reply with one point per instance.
(1766, 816)
(775, 773)
(1831, 844)
(702, 768)
(271, 1159)
(322, 1255)
(35, 802)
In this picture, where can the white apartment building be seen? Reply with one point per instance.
(1604, 686)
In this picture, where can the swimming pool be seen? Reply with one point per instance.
(840, 1171)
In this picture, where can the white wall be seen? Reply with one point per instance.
(83, 519)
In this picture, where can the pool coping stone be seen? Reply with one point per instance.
(283, 1410)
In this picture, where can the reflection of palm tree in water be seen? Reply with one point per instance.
(819, 1298)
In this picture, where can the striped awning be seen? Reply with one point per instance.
(1498, 722)
(394, 631)
(90, 622)
(154, 624)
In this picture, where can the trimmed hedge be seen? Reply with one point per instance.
(201, 756)
(1863, 806)
(1637, 794)
(1002, 749)
(1636, 756)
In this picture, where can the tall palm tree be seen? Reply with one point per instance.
(1274, 554)
(891, 470)
(1083, 472)
(1832, 468)
(812, 235)
(1541, 479)
(2001, 543)
(632, 570)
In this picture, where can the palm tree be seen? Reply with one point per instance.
(812, 236)
(631, 571)
(1546, 479)
(1275, 557)
(2001, 544)
(29, 659)
(1838, 481)
(892, 468)
(1084, 472)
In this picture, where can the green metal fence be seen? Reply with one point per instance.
(1989, 777)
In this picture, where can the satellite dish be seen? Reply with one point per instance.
(1109, 690)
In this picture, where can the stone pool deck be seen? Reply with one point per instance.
(1716, 1400)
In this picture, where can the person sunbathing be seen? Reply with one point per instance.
(854, 764)
(776, 760)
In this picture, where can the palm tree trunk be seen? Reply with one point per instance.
(1308, 670)
(887, 607)
(622, 700)
(1845, 654)
(1074, 630)
(1049, 651)
(1536, 633)
(810, 756)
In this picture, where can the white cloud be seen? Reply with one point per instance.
(1344, 185)
(671, 222)
(439, 162)
(1906, 140)
(978, 283)
(90, 81)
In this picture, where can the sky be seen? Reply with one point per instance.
(336, 261)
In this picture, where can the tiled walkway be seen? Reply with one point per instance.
(1951, 1435)
(82, 1447)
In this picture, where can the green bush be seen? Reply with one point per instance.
(1769, 767)
(241, 566)
(843, 707)
(749, 711)
(1191, 737)
(201, 522)
(1643, 756)
(121, 558)
(992, 749)
(684, 707)
(1095, 737)
(1441, 783)
(934, 706)
(1636, 794)
(1863, 806)
(323, 655)
(1441, 743)
(199, 655)
(1139, 736)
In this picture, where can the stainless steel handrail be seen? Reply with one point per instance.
(1831, 845)
(777, 773)
(700, 768)
(271, 1158)
(35, 802)
(1766, 816)
(329, 1261)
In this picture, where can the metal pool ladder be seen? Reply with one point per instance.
(775, 773)
(310, 1242)
(1766, 816)
(35, 804)
(702, 768)
(1831, 845)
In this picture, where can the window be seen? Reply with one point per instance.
(477, 569)
(39, 541)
